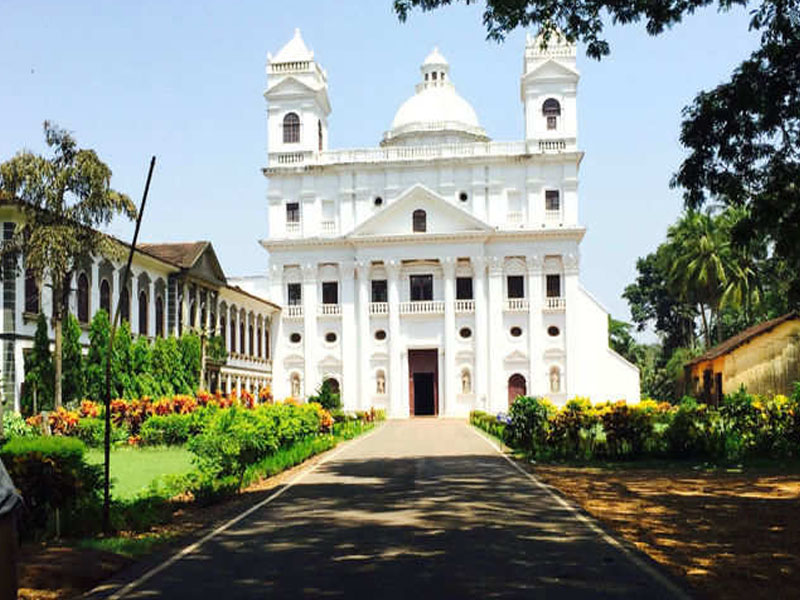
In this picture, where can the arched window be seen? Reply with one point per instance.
(159, 316)
(250, 339)
(125, 305)
(551, 109)
(223, 332)
(555, 380)
(32, 304)
(258, 345)
(319, 134)
(233, 334)
(105, 296)
(266, 343)
(83, 298)
(516, 387)
(143, 313)
(291, 128)
(333, 384)
(192, 313)
(419, 220)
(241, 335)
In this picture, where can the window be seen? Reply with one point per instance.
(160, 318)
(433, 75)
(31, 293)
(421, 287)
(551, 109)
(465, 332)
(516, 286)
(293, 212)
(552, 200)
(291, 128)
(143, 313)
(105, 296)
(241, 335)
(330, 292)
(250, 340)
(330, 337)
(463, 196)
(553, 331)
(192, 313)
(83, 298)
(258, 346)
(295, 338)
(464, 288)
(293, 294)
(233, 335)
(380, 335)
(515, 331)
(125, 305)
(419, 221)
(319, 134)
(517, 386)
(554, 286)
(379, 291)
(266, 343)
(378, 201)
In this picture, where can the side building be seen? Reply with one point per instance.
(172, 288)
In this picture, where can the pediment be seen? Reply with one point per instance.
(441, 216)
(516, 356)
(330, 362)
(206, 266)
(293, 359)
(290, 85)
(552, 69)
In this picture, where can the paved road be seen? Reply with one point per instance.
(418, 509)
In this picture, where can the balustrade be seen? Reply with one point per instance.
(555, 303)
(465, 306)
(516, 304)
(330, 310)
(422, 307)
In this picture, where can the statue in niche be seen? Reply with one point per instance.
(380, 383)
(295, 386)
(555, 380)
(466, 382)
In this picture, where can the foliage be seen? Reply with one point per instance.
(622, 342)
(91, 431)
(528, 424)
(326, 397)
(99, 336)
(51, 473)
(170, 430)
(494, 425)
(73, 378)
(14, 426)
(39, 370)
(191, 357)
(215, 348)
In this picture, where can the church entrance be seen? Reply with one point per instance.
(423, 386)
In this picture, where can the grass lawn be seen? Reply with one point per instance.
(133, 469)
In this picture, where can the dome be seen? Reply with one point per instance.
(435, 113)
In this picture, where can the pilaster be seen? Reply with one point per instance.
(571, 269)
(480, 376)
(536, 382)
(398, 408)
(450, 379)
(349, 343)
(310, 341)
(364, 338)
(496, 401)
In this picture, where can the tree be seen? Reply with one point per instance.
(99, 335)
(64, 200)
(39, 370)
(122, 373)
(622, 342)
(742, 136)
(191, 356)
(74, 386)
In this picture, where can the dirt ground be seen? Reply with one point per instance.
(732, 535)
(52, 571)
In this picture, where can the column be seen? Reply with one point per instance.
(134, 303)
(94, 290)
(347, 299)
(151, 309)
(570, 293)
(536, 378)
(364, 336)
(497, 401)
(228, 383)
(280, 380)
(449, 359)
(310, 341)
(481, 370)
(397, 407)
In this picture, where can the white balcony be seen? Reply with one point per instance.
(330, 310)
(293, 228)
(465, 306)
(379, 308)
(554, 304)
(556, 145)
(328, 227)
(551, 217)
(294, 311)
(516, 305)
(422, 307)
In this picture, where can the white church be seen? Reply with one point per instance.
(439, 271)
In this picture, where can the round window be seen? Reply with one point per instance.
(516, 331)
(330, 337)
(378, 201)
(295, 338)
(380, 335)
(465, 332)
(553, 331)
(463, 196)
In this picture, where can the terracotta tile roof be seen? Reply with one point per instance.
(182, 254)
(742, 338)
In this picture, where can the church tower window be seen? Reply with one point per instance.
(291, 129)
(319, 134)
(419, 219)
(551, 109)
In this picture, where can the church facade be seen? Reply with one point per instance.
(437, 272)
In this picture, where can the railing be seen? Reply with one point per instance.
(379, 308)
(290, 158)
(550, 145)
(516, 304)
(330, 310)
(293, 227)
(294, 311)
(465, 306)
(515, 217)
(552, 216)
(555, 303)
(328, 227)
(422, 307)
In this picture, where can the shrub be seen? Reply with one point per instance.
(169, 430)
(528, 426)
(326, 397)
(494, 425)
(15, 426)
(51, 473)
(92, 432)
(627, 429)
(575, 429)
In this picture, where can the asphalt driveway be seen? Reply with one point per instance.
(423, 508)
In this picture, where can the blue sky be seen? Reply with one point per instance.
(184, 81)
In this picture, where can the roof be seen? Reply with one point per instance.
(238, 290)
(294, 51)
(742, 338)
(181, 254)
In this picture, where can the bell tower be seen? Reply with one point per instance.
(297, 98)
(548, 91)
